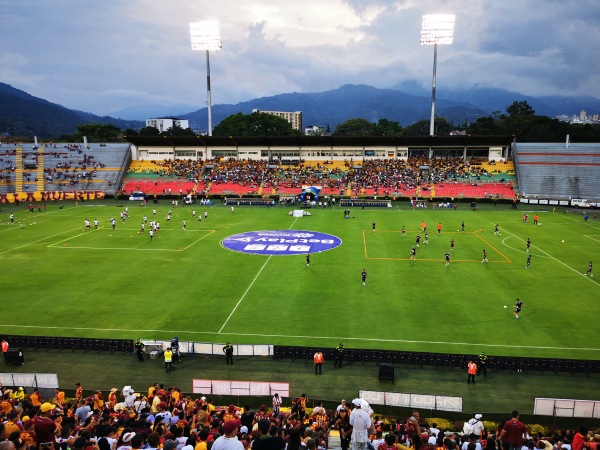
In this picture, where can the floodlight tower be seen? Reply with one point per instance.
(436, 29)
(205, 36)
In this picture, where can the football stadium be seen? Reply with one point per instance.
(419, 256)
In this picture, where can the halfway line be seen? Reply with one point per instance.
(248, 289)
(243, 296)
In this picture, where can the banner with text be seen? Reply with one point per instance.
(240, 388)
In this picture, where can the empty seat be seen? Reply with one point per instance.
(413, 358)
(441, 360)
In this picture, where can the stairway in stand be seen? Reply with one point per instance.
(19, 170)
(40, 170)
(349, 189)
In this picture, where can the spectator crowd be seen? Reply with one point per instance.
(165, 418)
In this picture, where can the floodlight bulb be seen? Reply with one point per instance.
(437, 29)
(205, 35)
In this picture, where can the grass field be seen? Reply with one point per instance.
(61, 280)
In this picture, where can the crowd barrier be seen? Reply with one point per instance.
(442, 360)
(208, 348)
(127, 345)
(278, 352)
(69, 343)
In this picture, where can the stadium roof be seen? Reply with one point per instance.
(322, 141)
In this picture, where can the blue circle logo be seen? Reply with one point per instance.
(281, 242)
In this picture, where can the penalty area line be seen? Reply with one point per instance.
(39, 240)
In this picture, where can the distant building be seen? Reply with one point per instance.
(313, 130)
(166, 123)
(582, 115)
(293, 118)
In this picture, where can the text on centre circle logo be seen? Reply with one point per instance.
(281, 242)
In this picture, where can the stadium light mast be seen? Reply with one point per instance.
(436, 29)
(206, 36)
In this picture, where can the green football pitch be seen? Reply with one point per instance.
(59, 279)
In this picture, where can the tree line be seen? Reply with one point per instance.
(519, 120)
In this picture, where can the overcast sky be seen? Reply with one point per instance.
(105, 55)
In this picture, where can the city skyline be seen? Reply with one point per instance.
(104, 57)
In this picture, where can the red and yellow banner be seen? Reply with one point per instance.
(49, 196)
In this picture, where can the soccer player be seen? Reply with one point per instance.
(205, 215)
(418, 240)
(193, 213)
(484, 256)
(96, 224)
(308, 260)
(403, 231)
(423, 226)
(447, 255)
(184, 224)
(451, 244)
(87, 224)
(527, 245)
(462, 226)
(169, 217)
(589, 270)
(151, 233)
(113, 222)
(439, 228)
(154, 212)
(364, 277)
(528, 265)
(12, 218)
(143, 227)
(413, 253)
(232, 210)
(426, 238)
(496, 230)
(145, 218)
(535, 219)
(373, 227)
(518, 306)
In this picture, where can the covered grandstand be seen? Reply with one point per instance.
(394, 166)
(429, 167)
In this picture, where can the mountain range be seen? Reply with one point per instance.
(24, 115)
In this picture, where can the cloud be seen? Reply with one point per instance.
(104, 56)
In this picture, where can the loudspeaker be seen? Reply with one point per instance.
(386, 372)
(15, 357)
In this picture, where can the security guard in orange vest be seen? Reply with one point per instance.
(4, 348)
(318, 362)
(472, 371)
